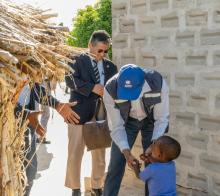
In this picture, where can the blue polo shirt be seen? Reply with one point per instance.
(161, 178)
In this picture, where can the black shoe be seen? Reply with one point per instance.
(38, 140)
(46, 141)
(76, 192)
(96, 192)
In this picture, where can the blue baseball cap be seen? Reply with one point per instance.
(130, 81)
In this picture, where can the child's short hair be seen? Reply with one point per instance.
(169, 147)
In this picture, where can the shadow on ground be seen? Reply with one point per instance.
(44, 159)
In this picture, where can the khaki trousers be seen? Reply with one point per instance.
(76, 148)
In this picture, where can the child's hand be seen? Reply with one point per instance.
(149, 150)
(136, 164)
(145, 158)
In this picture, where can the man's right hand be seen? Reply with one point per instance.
(130, 159)
(65, 110)
(33, 120)
(98, 89)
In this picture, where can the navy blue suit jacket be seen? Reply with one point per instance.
(81, 83)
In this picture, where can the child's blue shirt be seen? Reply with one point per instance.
(161, 178)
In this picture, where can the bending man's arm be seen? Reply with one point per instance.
(115, 122)
(117, 128)
(161, 113)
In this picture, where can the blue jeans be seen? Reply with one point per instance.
(30, 148)
(117, 163)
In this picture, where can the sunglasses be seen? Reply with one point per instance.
(101, 51)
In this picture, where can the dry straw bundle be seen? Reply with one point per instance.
(30, 49)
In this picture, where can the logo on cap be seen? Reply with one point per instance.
(128, 84)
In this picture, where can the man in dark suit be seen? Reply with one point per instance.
(92, 71)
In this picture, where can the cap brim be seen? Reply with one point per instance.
(128, 94)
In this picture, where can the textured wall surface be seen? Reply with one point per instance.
(181, 39)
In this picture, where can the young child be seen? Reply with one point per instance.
(160, 174)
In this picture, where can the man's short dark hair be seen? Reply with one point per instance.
(100, 36)
(169, 147)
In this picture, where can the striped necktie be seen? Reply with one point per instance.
(96, 72)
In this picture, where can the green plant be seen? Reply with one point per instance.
(87, 20)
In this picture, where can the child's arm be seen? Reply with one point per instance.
(147, 173)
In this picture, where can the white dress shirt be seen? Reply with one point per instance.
(116, 122)
(101, 71)
(137, 108)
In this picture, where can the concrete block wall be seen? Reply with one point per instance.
(181, 39)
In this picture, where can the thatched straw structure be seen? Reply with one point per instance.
(30, 49)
